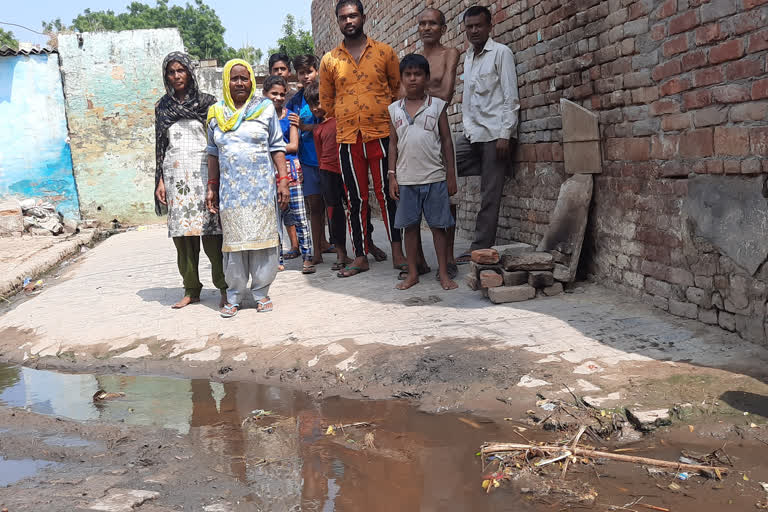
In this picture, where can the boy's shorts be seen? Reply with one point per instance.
(311, 180)
(431, 199)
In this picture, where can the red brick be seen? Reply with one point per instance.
(697, 99)
(750, 166)
(749, 4)
(708, 76)
(714, 166)
(746, 22)
(669, 68)
(760, 89)
(709, 33)
(758, 141)
(694, 60)
(744, 69)
(645, 95)
(674, 86)
(730, 93)
(485, 256)
(664, 147)
(676, 122)
(732, 167)
(490, 279)
(731, 141)
(729, 50)
(614, 149)
(758, 41)
(683, 22)
(667, 9)
(676, 45)
(664, 107)
(637, 149)
(697, 143)
(659, 31)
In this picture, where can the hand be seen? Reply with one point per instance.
(212, 200)
(394, 188)
(294, 119)
(502, 149)
(283, 194)
(160, 192)
(452, 187)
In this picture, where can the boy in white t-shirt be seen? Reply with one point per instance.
(424, 176)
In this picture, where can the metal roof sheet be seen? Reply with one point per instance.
(7, 51)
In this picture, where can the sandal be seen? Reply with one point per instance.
(402, 267)
(292, 254)
(331, 249)
(308, 269)
(355, 270)
(403, 275)
(464, 259)
(264, 305)
(229, 310)
(453, 271)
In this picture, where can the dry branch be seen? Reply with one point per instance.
(586, 452)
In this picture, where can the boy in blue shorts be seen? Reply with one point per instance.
(424, 176)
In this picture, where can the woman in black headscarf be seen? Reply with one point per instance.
(181, 176)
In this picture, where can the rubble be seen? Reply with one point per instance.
(11, 219)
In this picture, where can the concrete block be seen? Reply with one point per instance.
(491, 279)
(541, 279)
(515, 278)
(473, 281)
(504, 294)
(582, 157)
(485, 256)
(515, 249)
(568, 222)
(11, 218)
(528, 261)
(555, 289)
(579, 124)
(646, 421)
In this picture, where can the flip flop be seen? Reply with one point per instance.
(339, 265)
(308, 269)
(453, 271)
(464, 259)
(264, 305)
(402, 267)
(229, 310)
(331, 249)
(292, 254)
(403, 275)
(356, 270)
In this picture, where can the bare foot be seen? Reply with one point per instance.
(447, 283)
(186, 301)
(408, 282)
(316, 260)
(377, 253)
(223, 301)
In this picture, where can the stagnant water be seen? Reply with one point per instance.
(417, 458)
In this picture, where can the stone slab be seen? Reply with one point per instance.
(582, 157)
(555, 289)
(568, 222)
(649, 420)
(515, 249)
(541, 279)
(505, 294)
(731, 213)
(528, 261)
(515, 278)
(579, 124)
(11, 218)
(562, 273)
(123, 500)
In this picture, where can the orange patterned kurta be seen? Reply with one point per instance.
(358, 94)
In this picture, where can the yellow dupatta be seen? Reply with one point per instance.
(228, 117)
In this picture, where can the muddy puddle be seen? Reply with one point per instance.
(259, 447)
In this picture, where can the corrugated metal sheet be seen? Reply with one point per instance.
(7, 51)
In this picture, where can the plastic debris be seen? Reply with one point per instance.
(683, 476)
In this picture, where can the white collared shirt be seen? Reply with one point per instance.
(490, 101)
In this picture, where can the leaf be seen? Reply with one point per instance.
(690, 428)
(496, 483)
(331, 431)
(486, 483)
(602, 413)
(746, 478)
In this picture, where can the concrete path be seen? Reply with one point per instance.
(118, 299)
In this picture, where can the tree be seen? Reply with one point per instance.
(295, 41)
(7, 39)
(199, 25)
(248, 53)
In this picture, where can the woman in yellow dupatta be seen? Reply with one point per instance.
(245, 146)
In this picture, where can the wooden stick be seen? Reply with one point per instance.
(585, 452)
(573, 447)
(651, 507)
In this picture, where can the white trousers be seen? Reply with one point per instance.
(260, 266)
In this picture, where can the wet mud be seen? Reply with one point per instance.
(201, 444)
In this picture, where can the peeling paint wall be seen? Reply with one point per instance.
(35, 158)
(111, 83)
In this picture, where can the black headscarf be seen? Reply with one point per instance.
(169, 110)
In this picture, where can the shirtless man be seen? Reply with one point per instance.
(442, 84)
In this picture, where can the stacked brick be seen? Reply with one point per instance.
(515, 272)
(681, 90)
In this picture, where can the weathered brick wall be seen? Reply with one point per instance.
(111, 83)
(681, 90)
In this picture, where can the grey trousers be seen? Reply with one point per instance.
(479, 159)
(260, 266)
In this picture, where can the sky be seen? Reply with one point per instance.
(245, 23)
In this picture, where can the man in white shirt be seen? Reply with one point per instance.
(490, 106)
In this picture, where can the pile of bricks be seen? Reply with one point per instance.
(516, 272)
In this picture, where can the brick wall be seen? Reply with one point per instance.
(681, 90)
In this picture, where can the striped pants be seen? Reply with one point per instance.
(356, 160)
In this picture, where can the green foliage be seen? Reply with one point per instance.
(199, 25)
(295, 40)
(248, 53)
(7, 39)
